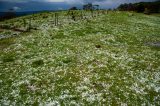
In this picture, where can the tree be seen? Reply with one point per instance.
(88, 6)
(73, 8)
(146, 11)
(9, 14)
(140, 7)
(146, 7)
(96, 7)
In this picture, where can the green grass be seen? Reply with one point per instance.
(103, 61)
(6, 42)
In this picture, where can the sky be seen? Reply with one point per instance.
(39, 5)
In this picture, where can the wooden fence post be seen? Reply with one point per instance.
(98, 12)
(56, 19)
(92, 13)
(24, 22)
(81, 15)
(29, 25)
(68, 16)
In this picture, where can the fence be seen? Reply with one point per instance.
(33, 22)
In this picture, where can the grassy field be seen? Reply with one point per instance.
(112, 59)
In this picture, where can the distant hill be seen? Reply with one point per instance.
(152, 7)
(20, 13)
(8, 15)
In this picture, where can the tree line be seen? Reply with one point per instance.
(148, 7)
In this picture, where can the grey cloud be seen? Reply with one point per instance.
(35, 5)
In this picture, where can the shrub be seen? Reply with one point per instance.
(37, 63)
(146, 11)
(8, 57)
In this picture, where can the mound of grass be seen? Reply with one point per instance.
(9, 57)
(37, 63)
(4, 43)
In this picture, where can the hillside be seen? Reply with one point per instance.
(150, 7)
(110, 59)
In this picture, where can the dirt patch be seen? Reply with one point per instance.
(153, 44)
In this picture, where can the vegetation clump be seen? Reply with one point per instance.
(146, 11)
(37, 63)
(8, 58)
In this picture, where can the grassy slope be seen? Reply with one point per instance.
(99, 61)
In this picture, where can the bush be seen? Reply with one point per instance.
(73, 8)
(8, 57)
(146, 11)
(37, 63)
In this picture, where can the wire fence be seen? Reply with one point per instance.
(49, 19)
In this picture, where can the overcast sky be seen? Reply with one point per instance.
(37, 5)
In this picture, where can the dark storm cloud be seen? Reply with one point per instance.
(90, 1)
(74, 1)
(35, 5)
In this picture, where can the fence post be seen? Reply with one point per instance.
(92, 13)
(56, 19)
(29, 25)
(24, 22)
(68, 15)
(81, 15)
(98, 12)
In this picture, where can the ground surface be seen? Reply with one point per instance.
(109, 59)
